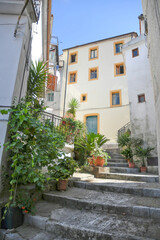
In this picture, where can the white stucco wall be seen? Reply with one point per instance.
(140, 82)
(13, 67)
(36, 53)
(151, 10)
(98, 91)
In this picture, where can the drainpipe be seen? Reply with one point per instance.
(65, 92)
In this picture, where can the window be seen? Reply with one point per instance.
(50, 97)
(72, 77)
(115, 98)
(73, 58)
(93, 53)
(135, 52)
(84, 97)
(141, 98)
(119, 69)
(93, 73)
(118, 47)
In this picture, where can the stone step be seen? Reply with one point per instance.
(128, 176)
(82, 224)
(109, 202)
(123, 169)
(117, 160)
(140, 189)
(112, 164)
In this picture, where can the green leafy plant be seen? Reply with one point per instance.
(89, 142)
(127, 153)
(99, 152)
(32, 145)
(36, 80)
(124, 139)
(73, 105)
(26, 202)
(62, 168)
(86, 144)
(143, 153)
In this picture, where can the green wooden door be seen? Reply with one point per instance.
(91, 123)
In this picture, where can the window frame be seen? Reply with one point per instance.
(120, 98)
(89, 73)
(70, 73)
(70, 55)
(84, 95)
(50, 93)
(140, 95)
(91, 49)
(119, 64)
(114, 45)
(133, 52)
(90, 115)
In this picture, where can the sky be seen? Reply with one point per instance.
(81, 21)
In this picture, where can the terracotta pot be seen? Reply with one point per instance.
(62, 185)
(128, 160)
(98, 161)
(131, 165)
(143, 169)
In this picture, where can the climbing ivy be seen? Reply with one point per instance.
(32, 145)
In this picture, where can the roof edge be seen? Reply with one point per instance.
(126, 34)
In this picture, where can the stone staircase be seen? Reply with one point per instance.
(117, 168)
(117, 205)
(95, 210)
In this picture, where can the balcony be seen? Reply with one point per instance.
(15, 7)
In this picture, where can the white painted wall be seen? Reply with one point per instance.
(37, 40)
(111, 119)
(142, 115)
(14, 59)
(151, 10)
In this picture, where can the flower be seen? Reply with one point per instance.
(34, 199)
(25, 211)
(23, 207)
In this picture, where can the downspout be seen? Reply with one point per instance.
(65, 92)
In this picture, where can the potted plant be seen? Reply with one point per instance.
(127, 153)
(86, 144)
(99, 156)
(61, 169)
(143, 153)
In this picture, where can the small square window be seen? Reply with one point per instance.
(93, 73)
(141, 98)
(50, 97)
(72, 77)
(135, 52)
(118, 47)
(73, 58)
(84, 97)
(93, 53)
(119, 69)
(115, 98)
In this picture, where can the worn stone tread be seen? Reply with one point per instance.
(107, 197)
(90, 223)
(141, 189)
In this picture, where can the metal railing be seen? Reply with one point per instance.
(60, 124)
(124, 129)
